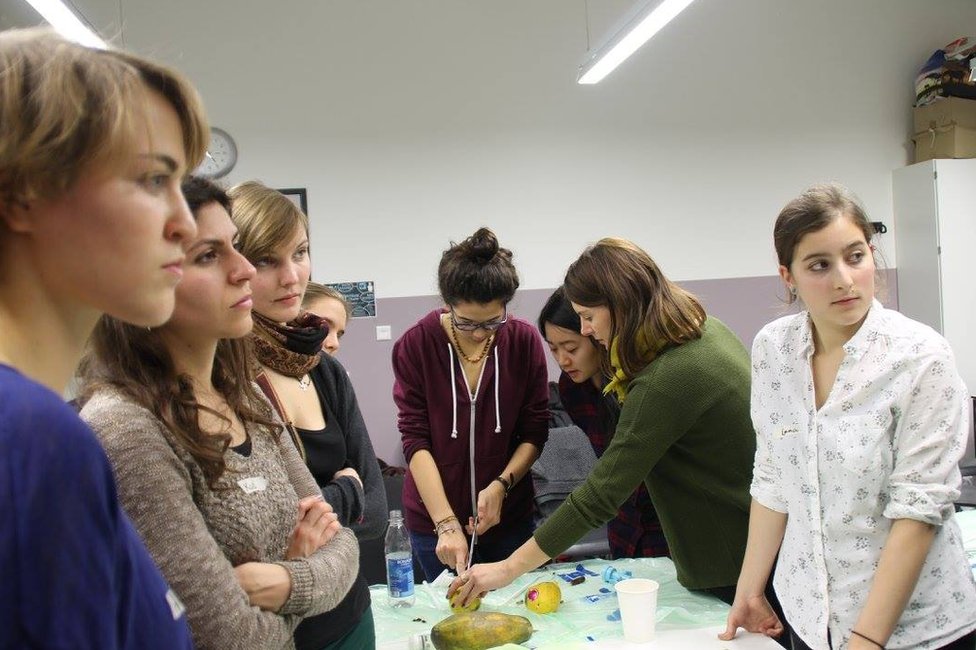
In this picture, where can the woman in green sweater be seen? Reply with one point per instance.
(682, 378)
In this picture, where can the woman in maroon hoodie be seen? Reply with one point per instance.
(470, 386)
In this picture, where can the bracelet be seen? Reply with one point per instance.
(445, 531)
(444, 525)
(506, 483)
(867, 638)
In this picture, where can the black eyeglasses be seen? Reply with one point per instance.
(468, 326)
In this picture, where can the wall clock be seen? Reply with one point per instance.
(221, 155)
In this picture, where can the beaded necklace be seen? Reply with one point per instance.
(484, 349)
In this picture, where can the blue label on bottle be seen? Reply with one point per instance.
(399, 574)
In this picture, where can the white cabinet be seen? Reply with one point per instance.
(935, 239)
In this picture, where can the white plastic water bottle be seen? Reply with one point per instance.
(399, 562)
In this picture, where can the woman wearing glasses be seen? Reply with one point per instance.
(470, 386)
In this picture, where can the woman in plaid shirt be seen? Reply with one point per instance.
(635, 531)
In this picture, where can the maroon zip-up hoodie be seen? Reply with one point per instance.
(515, 401)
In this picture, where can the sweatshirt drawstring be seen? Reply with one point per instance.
(498, 411)
(450, 350)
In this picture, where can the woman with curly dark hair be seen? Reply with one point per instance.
(471, 388)
(212, 483)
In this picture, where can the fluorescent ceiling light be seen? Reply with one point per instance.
(648, 22)
(67, 23)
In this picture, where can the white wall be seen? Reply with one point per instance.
(413, 123)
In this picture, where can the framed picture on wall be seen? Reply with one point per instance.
(359, 295)
(298, 196)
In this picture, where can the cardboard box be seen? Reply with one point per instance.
(945, 142)
(948, 111)
(945, 129)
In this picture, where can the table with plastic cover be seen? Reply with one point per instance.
(588, 617)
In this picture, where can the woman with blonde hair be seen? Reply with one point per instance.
(93, 144)
(682, 378)
(213, 485)
(324, 301)
(311, 392)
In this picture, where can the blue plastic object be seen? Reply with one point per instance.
(612, 575)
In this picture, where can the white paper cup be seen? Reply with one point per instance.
(638, 608)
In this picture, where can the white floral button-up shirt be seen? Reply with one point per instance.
(885, 445)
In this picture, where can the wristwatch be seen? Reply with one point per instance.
(506, 482)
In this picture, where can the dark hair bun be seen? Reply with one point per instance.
(481, 247)
(477, 270)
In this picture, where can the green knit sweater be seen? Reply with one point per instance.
(685, 431)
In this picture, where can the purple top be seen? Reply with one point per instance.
(511, 408)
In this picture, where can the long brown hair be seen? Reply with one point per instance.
(617, 274)
(135, 361)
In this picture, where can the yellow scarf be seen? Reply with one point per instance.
(619, 382)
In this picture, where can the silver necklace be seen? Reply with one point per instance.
(304, 382)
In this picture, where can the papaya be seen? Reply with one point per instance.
(479, 631)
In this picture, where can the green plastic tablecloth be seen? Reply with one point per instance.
(578, 620)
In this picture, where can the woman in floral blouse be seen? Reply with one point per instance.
(861, 420)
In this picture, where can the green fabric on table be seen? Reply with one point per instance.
(575, 621)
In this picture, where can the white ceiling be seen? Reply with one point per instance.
(398, 66)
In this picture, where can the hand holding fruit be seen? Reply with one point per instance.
(458, 606)
(479, 580)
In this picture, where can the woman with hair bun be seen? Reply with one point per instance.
(471, 389)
